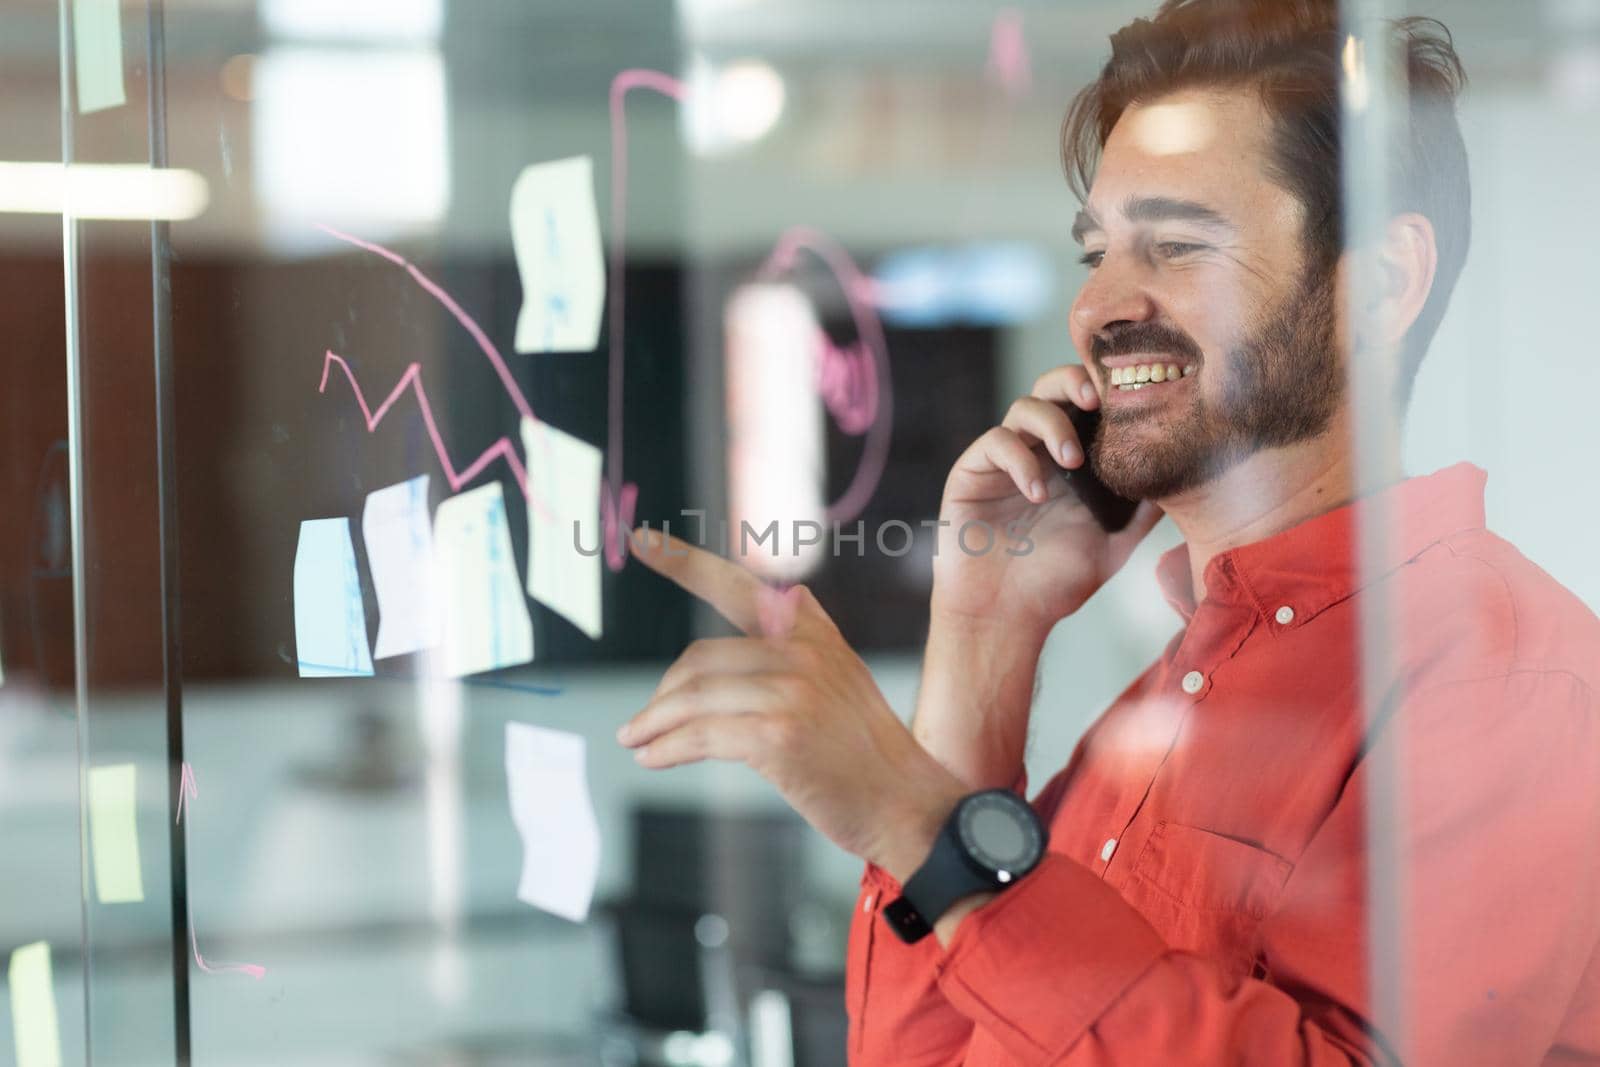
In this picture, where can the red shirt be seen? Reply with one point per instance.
(1205, 896)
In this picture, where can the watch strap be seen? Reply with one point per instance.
(944, 878)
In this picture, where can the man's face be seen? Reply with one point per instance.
(1196, 262)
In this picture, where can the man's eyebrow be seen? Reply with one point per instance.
(1083, 224)
(1155, 209)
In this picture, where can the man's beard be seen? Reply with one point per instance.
(1281, 385)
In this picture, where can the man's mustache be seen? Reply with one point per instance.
(1140, 338)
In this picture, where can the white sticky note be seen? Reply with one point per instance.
(486, 623)
(399, 535)
(549, 783)
(555, 232)
(114, 833)
(33, 1006)
(330, 621)
(97, 52)
(564, 533)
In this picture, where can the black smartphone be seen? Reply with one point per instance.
(1112, 511)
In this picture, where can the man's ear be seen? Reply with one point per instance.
(1406, 263)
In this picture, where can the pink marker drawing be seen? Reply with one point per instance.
(412, 377)
(186, 790)
(862, 402)
(847, 379)
(859, 398)
(851, 410)
(189, 790)
(1009, 66)
(618, 498)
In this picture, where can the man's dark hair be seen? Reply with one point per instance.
(1289, 52)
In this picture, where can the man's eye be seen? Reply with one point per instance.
(1091, 259)
(1172, 249)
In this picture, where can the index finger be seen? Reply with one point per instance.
(1070, 381)
(729, 588)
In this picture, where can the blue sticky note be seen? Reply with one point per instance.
(398, 531)
(330, 621)
(97, 54)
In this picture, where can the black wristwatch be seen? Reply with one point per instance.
(990, 841)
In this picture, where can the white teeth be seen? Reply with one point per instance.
(1129, 378)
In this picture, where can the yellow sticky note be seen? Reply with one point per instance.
(563, 517)
(555, 234)
(33, 1007)
(97, 54)
(114, 833)
(486, 623)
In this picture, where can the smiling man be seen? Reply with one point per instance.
(1197, 884)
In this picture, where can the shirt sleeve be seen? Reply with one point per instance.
(896, 1011)
(1492, 816)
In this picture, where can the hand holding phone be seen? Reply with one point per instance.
(1019, 549)
(1113, 512)
(1054, 539)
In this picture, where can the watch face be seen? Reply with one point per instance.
(1000, 835)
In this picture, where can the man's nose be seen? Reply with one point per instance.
(1112, 295)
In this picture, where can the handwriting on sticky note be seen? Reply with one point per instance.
(97, 54)
(33, 1006)
(486, 623)
(549, 788)
(398, 531)
(564, 565)
(555, 232)
(330, 621)
(114, 833)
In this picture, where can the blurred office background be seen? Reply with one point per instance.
(352, 836)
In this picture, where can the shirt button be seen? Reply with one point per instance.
(1193, 681)
(1285, 615)
(1107, 849)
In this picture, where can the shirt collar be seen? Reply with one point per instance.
(1313, 564)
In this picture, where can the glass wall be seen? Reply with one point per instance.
(353, 338)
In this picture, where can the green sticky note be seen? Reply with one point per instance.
(97, 50)
(114, 833)
(33, 1007)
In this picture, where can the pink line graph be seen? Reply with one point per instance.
(433, 289)
(413, 378)
(619, 498)
(862, 402)
(834, 366)
(189, 789)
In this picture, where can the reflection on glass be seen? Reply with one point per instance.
(1316, 755)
